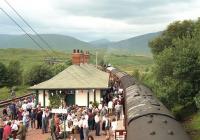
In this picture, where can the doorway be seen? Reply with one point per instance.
(70, 98)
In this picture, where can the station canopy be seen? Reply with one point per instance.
(83, 76)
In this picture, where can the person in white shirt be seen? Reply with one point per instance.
(107, 124)
(34, 103)
(39, 105)
(24, 105)
(75, 122)
(73, 115)
(81, 128)
(97, 124)
(14, 128)
(120, 90)
(45, 119)
(90, 106)
(85, 128)
(68, 128)
(29, 107)
(114, 126)
(100, 106)
(69, 117)
(25, 113)
(95, 110)
(86, 116)
(118, 110)
(110, 107)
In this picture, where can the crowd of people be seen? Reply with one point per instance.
(20, 115)
(84, 120)
(98, 119)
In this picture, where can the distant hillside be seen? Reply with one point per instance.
(137, 45)
(58, 42)
(28, 57)
(100, 42)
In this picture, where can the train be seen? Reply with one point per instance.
(146, 118)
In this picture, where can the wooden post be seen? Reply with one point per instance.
(37, 97)
(88, 98)
(44, 98)
(94, 95)
(96, 59)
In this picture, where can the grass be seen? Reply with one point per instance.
(28, 57)
(192, 126)
(127, 63)
(5, 92)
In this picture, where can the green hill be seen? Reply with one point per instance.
(57, 42)
(100, 42)
(137, 45)
(28, 57)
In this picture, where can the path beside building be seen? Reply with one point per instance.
(36, 134)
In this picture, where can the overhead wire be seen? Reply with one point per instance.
(36, 43)
(39, 36)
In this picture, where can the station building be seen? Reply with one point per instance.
(81, 83)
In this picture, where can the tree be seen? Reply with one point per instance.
(175, 30)
(58, 68)
(136, 74)
(3, 74)
(38, 74)
(102, 62)
(14, 73)
(177, 63)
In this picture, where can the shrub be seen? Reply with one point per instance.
(95, 104)
(54, 100)
(181, 112)
(197, 100)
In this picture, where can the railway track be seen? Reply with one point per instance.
(7, 102)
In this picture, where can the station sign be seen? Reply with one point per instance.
(120, 134)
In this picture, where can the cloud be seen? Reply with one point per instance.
(121, 9)
(94, 19)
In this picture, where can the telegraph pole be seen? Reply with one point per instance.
(96, 59)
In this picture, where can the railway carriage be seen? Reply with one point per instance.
(146, 117)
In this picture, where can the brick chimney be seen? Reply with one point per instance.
(78, 57)
(86, 57)
(81, 57)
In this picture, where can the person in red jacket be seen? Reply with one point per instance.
(7, 131)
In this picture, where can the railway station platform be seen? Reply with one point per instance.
(36, 134)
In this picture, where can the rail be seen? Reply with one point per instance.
(7, 102)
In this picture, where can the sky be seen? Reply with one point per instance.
(90, 20)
